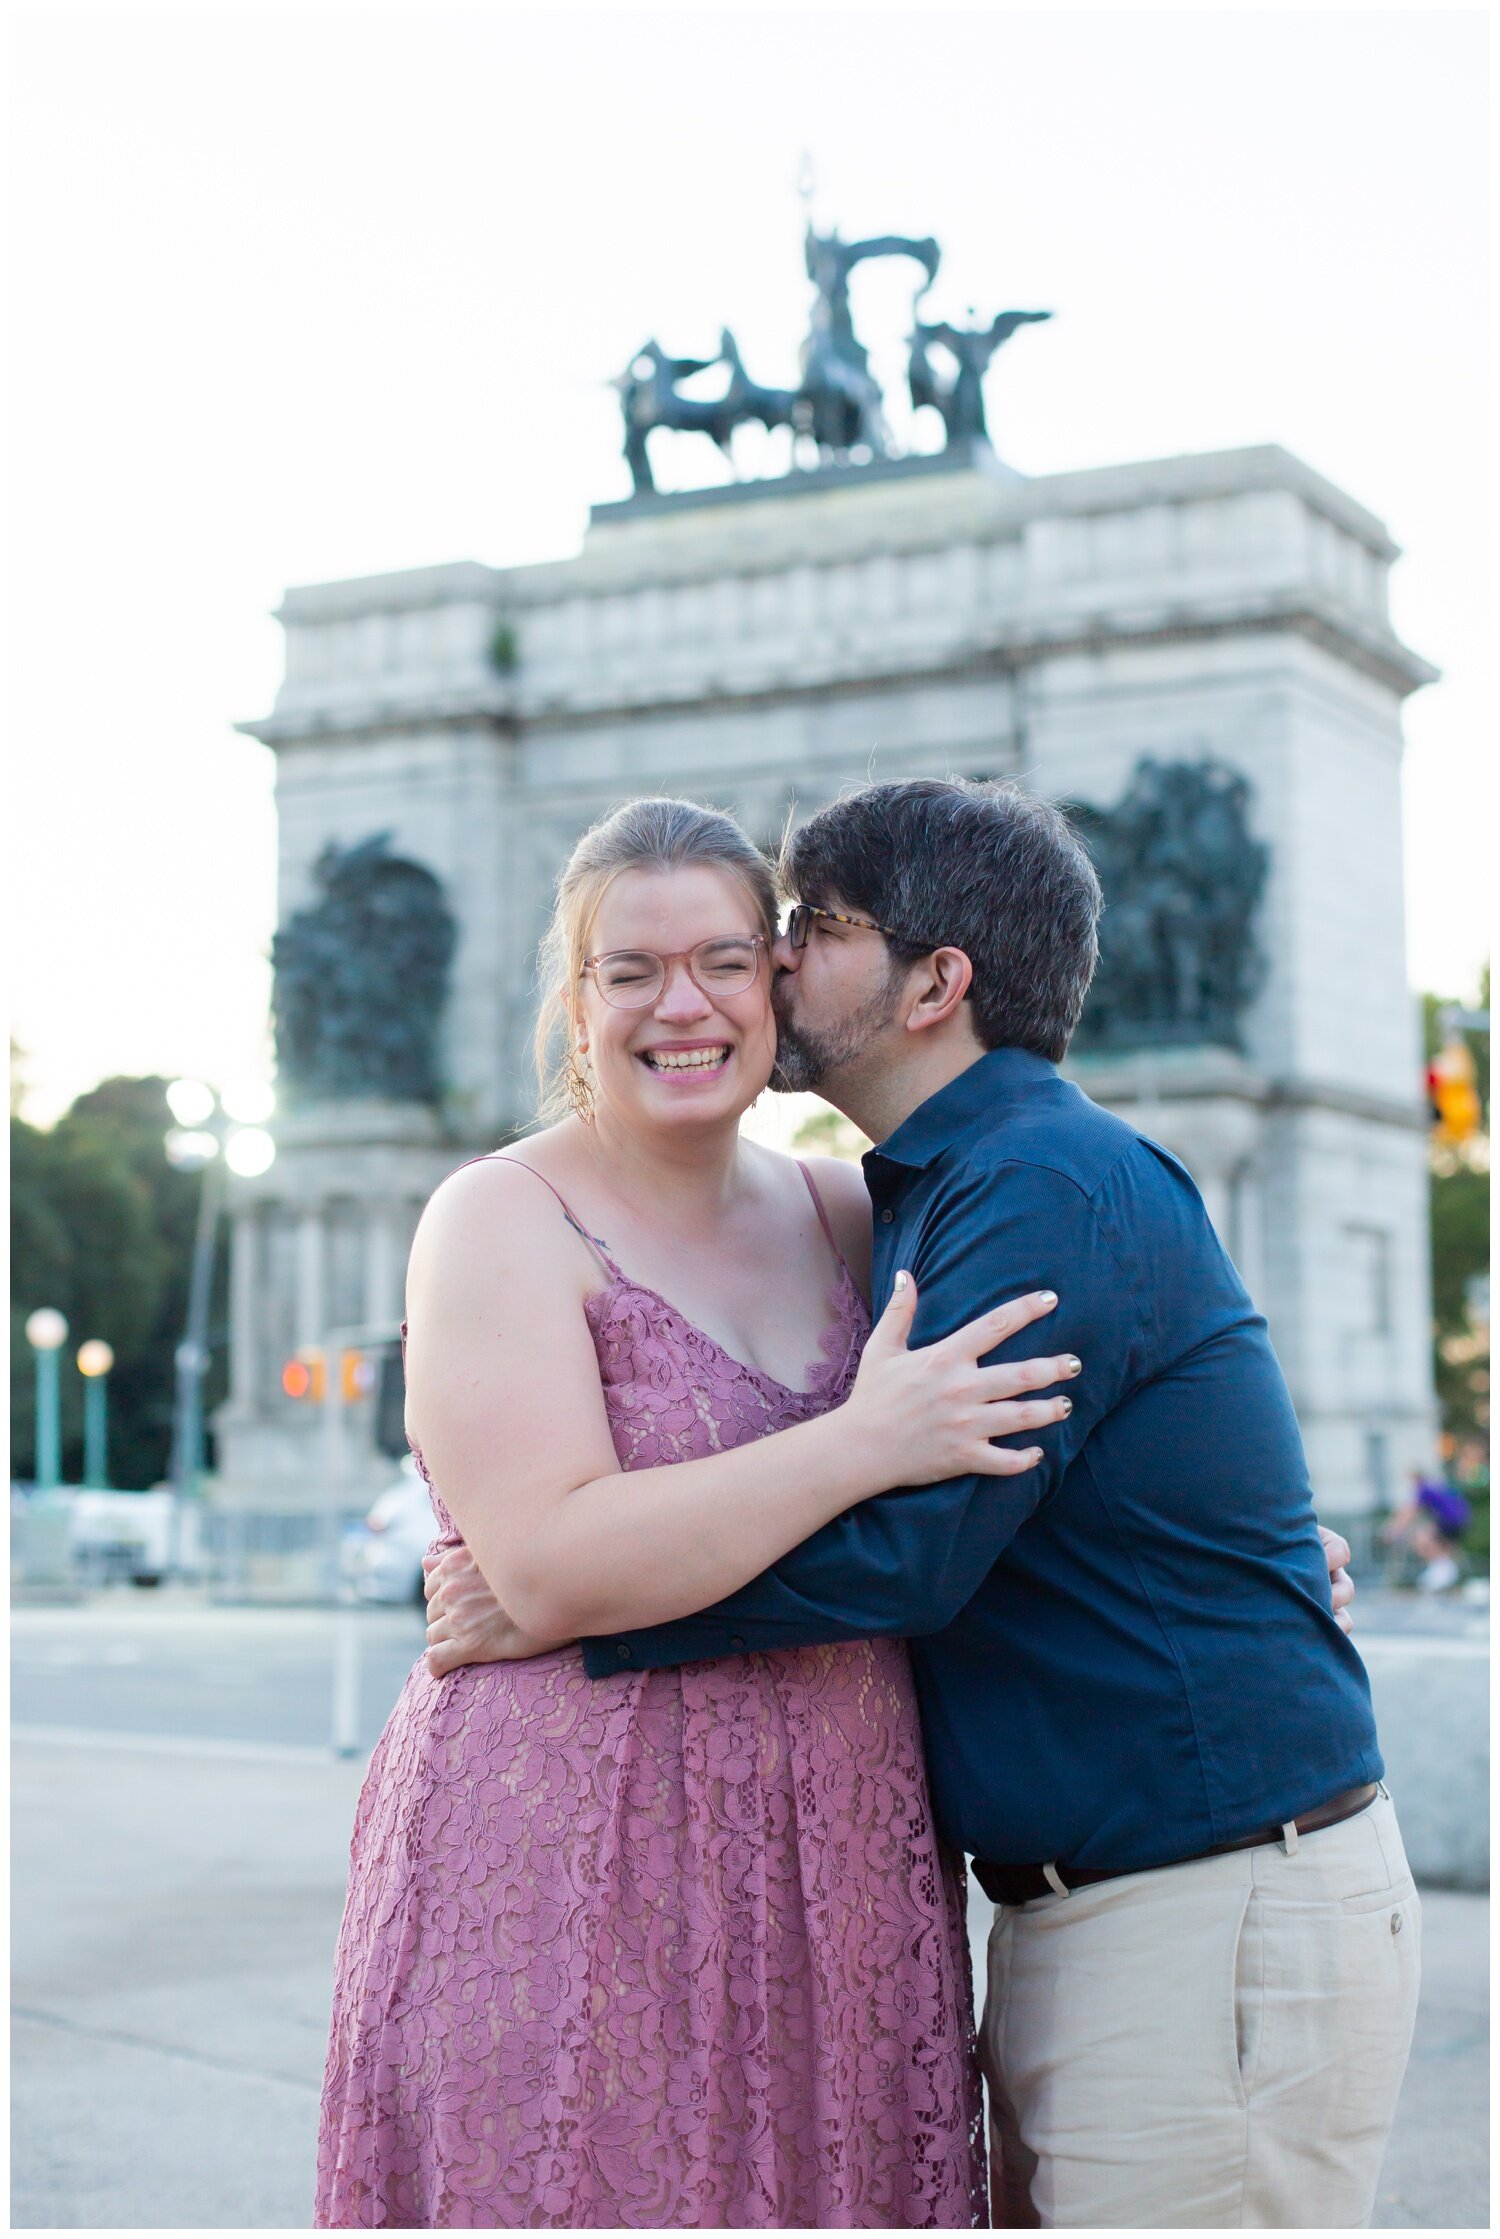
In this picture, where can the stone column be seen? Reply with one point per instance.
(1217, 1192)
(312, 1314)
(1216, 1137)
(1247, 1250)
(382, 1266)
(244, 1308)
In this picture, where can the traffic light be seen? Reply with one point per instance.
(303, 1377)
(390, 1403)
(1453, 1093)
(356, 1375)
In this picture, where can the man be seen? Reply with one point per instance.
(1141, 1716)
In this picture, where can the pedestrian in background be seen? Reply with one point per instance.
(1430, 1526)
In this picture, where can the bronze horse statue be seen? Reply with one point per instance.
(842, 395)
(838, 402)
(960, 401)
(650, 398)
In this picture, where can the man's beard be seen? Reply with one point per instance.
(809, 1061)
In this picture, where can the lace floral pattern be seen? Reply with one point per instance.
(673, 1949)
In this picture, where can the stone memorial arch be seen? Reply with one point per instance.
(1195, 652)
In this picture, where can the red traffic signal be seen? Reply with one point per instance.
(303, 1375)
(1453, 1092)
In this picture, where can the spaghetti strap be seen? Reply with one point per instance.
(827, 1224)
(503, 1158)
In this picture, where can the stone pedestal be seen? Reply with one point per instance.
(318, 1245)
(1320, 1200)
(768, 646)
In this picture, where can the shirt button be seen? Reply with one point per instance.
(888, 1215)
(622, 1650)
(736, 1640)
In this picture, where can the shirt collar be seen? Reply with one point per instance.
(995, 1079)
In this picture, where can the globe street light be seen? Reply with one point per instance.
(206, 1139)
(191, 1102)
(46, 1333)
(248, 1151)
(249, 1102)
(95, 1360)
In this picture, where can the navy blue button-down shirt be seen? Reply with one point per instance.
(1128, 1654)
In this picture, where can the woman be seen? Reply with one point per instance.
(678, 1949)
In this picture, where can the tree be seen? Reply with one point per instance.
(1460, 1233)
(102, 1227)
(830, 1135)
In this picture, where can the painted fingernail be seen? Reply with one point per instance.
(1048, 1298)
(1073, 1365)
(1065, 1407)
(1033, 1453)
(901, 1282)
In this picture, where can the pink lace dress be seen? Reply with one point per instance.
(673, 1949)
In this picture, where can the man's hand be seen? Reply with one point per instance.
(465, 1623)
(1337, 1552)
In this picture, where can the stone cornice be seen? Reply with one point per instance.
(970, 507)
(1022, 644)
(489, 704)
(1170, 1076)
(893, 517)
(1307, 613)
(1198, 475)
(405, 591)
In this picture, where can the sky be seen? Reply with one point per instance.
(318, 292)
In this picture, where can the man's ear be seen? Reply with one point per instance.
(937, 988)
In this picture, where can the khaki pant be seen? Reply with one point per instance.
(1217, 2044)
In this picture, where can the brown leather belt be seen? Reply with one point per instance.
(1017, 1885)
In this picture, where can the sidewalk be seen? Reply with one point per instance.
(174, 1916)
(175, 1909)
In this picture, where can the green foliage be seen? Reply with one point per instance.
(1459, 1203)
(102, 1228)
(1476, 1539)
(829, 1135)
(505, 651)
(1477, 1038)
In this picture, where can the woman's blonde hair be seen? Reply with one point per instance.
(649, 835)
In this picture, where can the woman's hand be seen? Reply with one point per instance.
(465, 1623)
(1336, 1553)
(931, 1414)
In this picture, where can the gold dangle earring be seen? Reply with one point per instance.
(579, 1087)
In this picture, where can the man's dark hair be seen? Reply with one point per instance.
(960, 863)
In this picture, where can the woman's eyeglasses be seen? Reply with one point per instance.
(630, 978)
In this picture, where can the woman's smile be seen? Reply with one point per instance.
(686, 1061)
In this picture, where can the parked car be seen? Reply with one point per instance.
(382, 1557)
(87, 1537)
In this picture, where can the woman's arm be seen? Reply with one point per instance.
(504, 1400)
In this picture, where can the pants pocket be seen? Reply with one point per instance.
(1249, 1995)
(1329, 1997)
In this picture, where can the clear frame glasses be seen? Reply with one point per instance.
(630, 978)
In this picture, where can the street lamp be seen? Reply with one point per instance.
(46, 1334)
(95, 1360)
(207, 1138)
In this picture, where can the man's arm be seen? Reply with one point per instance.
(468, 1625)
(906, 1562)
